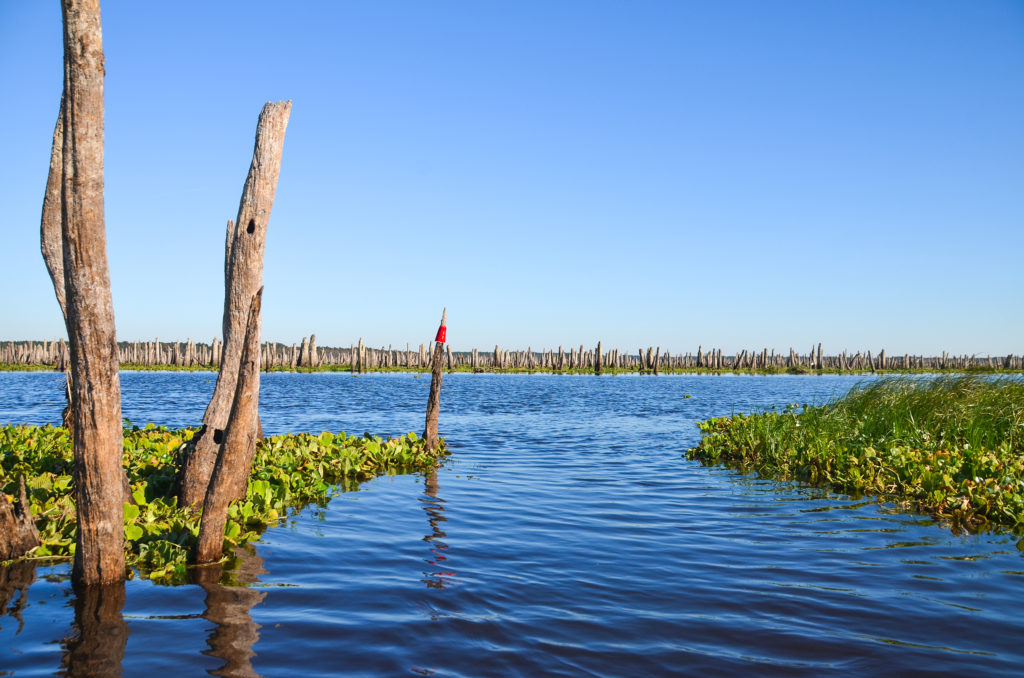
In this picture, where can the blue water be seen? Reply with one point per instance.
(566, 535)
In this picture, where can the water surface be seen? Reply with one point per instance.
(566, 535)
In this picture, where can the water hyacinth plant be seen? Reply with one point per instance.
(289, 472)
(949, 446)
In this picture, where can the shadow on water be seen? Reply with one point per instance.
(438, 578)
(99, 633)
(229, 600)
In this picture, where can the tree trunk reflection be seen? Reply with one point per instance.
(99, 634)
(228, 607)
(16, 577)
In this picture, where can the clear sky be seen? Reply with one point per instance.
(729, 174)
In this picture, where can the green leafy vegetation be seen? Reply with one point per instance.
(289, 472)
(949, 446)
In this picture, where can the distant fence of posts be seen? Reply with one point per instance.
(361, 358)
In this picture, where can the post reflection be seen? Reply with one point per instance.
(440, 576)
(228, 606)
(15, 578)
(99, 633)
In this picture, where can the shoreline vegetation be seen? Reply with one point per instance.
(951, 447)
(358, 358)
(290, 472)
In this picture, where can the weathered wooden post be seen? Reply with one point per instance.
(243, 276)
(436, 369)
(314, 360)
(234, 458)
(86, 299)
(597, 359)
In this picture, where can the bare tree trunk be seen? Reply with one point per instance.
(234, 461)
(243, 275)
(52, 241)
(52, 246)
(436, 370)
(18, 534)
(96, 388)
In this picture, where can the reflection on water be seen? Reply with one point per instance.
(228, 606)
(581, 540)
(99, 634)
(440, 577)
(14, 582)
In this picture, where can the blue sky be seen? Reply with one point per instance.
(729, 174)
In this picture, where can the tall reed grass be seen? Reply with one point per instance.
(952, 446)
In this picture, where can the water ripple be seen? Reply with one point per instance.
(565, 536)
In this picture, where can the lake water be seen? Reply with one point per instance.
(566, 535)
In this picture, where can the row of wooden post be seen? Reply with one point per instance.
(361, 358)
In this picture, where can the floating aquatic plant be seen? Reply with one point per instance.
(290, 471)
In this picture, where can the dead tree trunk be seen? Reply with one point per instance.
(96, 388)
(234, 461)
(18, 534)
(243, 276)
(436, 371)
(52, 242)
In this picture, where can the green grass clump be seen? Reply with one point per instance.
(289, 472)
(949, 446)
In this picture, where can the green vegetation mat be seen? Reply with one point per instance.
(289, 472)
(949, 446)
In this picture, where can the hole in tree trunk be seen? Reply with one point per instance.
(218, 436)
(252, 226)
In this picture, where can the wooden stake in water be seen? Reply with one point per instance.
(436, 371)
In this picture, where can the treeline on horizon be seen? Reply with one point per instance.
(276, 356)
